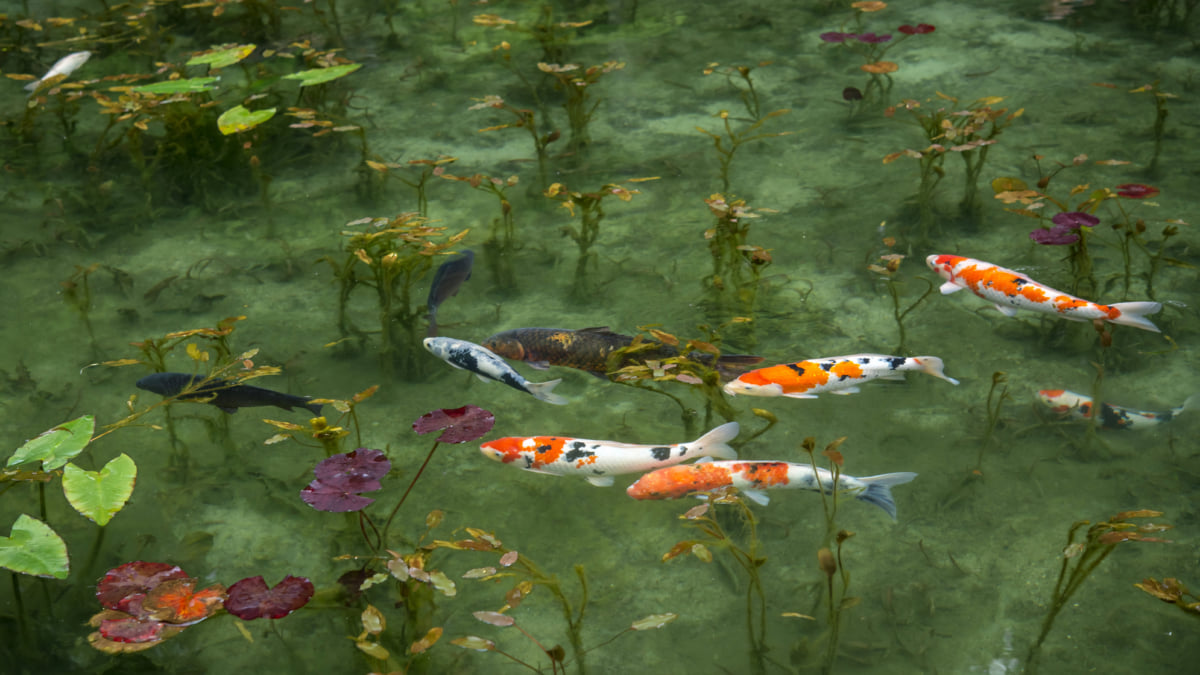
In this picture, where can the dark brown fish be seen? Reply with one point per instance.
(589, 348)
(449, 276)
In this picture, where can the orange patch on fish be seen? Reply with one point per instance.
(764, 474)
(546, 449)
(679, 480)
(793, 377)
(847, 369)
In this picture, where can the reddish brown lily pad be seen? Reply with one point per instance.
(176, 601)
(133, 578)
(341, 477)
(251, 599)
(461, 425)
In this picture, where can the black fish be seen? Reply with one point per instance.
(226, 396)
(449, 276)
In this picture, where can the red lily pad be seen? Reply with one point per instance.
(461, 424)
(251, 599)
(131, 629)
(176, 601)
(133, 579)
(340, 478)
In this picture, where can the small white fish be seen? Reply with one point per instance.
(1079, 407)
(60, 70)
(487, 366)
(599, 461)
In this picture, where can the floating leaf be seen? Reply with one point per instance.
(56, 446)
(131, 629)
(322, 75)
(33, 548)
(250, 598)
(177, 602)
(426, 642)
(1008, 184)
(461, 424)
(373, 620)
(219, 58)
(472, 642)
(341, 477)
(98, 495)
(372, 649)
(494, 618)
(654, 621)
(479, 573)
(185, 86)
(133, 578)
(509, 558)
(239, 118)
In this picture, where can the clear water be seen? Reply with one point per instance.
(959, 584)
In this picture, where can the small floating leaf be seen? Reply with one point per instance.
(56, 446)
(654, 621)
(238, 118)
(34, 548)
(426, 642)
(472, 642)
(98, 495)
(219, 58)
(322, 75)
(461, 424)
(185, 86)
(251, 599)
(494, 618)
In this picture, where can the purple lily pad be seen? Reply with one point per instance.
(340, 478)
(131, 630)
(121, 584)
(251, 599)
(461, 424)
(1075, 219)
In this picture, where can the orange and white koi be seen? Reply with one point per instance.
(834, 375)
(1011, 291)
(1080, 407)
(599, 461)
(753, 477)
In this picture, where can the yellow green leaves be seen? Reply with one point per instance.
(34, 548)
(221, 56)
(184, 86)
(238, 119)
(313, 76)
(98, 495)
(58, 445)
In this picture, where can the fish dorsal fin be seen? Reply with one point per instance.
(601, 330)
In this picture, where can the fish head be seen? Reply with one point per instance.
(943, 264)
(504, 450)
(439, 347)
(506, 345)
(1060, 401)
(753, 383)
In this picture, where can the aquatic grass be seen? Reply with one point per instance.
(887, 271)
(591, 214)
(873, 47)
(577, 86)
(737, 265)
(501, 244)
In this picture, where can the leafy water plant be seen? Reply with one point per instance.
(737, 265)
(872, 47)
(728, 143)
(837, 600)
(580, 104)
(887, 267)
(526, 118)
(1080, 559)
(993, 406)
(591, 213)
(397, 253)
(501, 245)
(1173, 591)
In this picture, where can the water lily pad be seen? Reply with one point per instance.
(221, 57)
(250, 598)
(184, 86)
(56, 446)
(341, 477)
(34, 548)
(176, 601)
(98, 495)
(461, 424)
(134, 579)
(238, 118)
(322, 75)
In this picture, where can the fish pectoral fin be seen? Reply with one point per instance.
(950, 287)
(600, 481)
(228, 409)
(849, 390)
(483, 378)
(539, 365)
(1006, 310)
(799, 395)
(757, 496)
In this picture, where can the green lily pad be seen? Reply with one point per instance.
(58, 445)
(192, 84)
(219, 58)
(238, 118)
(98, 495)
(322, 75)
(34, 549)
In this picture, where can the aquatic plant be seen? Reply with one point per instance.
(993, 406)
(1080, 559)
(872, 47)
(397, 253)
(77, 292)
(427, 168)
(737, 265)
(501, 244)
(1173, 591)
(728, 143)
(969, 131)
(748, 557)
(553, 36)
(591, 213)
(888, 270)
(837, 599)
(580, 104)
(526, 119)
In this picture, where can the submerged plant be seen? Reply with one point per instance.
(1173, 591)
(525, 118)
(887, 267)
(1080, 559)
(873, 47)
(728, 143)
(501, 245)
(580, 104)
(737, 265)
(591, 213)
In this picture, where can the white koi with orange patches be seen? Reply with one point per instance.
(1079, 407)
(752, 478)
(834, 375)
(599, 461)
(1010, 291)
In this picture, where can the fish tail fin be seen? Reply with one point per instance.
(716, 442)
(934, 366)
(314, 408)
(1190, 404)
(879, 490)
(1133, 314)
(543, 391)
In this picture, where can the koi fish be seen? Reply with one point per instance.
(1011, 291)
(60, 70)
(753, 477)
(588, 349)
(446, 281)
(598, 461)
(221, 393)
(487, 366)
(834, 375)
(1080, 407)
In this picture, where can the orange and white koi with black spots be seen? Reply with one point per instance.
(1010, 291)
(752, 478)
(833, 375)
(1079, 407)
(599, 461)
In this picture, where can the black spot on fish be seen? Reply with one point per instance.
(828, 366)
(660, 453)
(512, 381)
(683, 450)
(864, 360)
(799, 369)
(577, 452)
(528, 462)
(1114, 418)
(895, 362)
(543, 449)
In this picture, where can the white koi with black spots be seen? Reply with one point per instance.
(487, 366)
